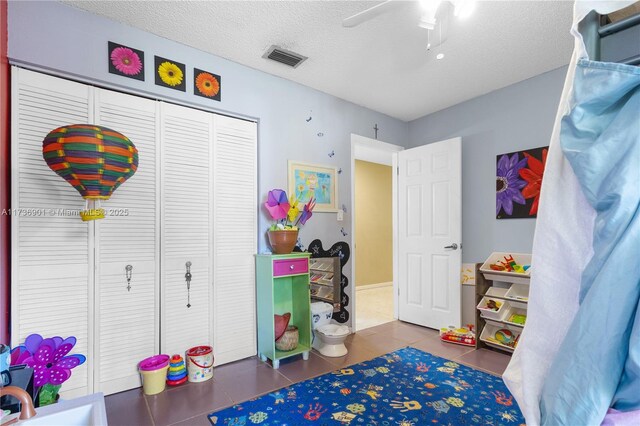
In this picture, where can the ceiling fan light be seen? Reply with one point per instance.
(427, 22)
(464, 8)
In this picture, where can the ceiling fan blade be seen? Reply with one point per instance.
(370, 13)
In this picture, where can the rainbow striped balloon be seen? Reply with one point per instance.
(95, 160)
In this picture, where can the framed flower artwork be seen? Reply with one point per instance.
(207, 84)
(126, 61)
(518, 181)
(308, 181)
(170, 74)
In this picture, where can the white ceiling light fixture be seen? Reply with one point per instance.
(429, 10)
(428, 21)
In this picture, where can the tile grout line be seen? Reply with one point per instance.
(146, 403)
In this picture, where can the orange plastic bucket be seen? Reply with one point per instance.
(200, 363)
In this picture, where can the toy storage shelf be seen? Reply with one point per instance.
(283, 286)
(324, 279)
(513, 300)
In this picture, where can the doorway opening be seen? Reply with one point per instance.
(373, 185)
(374, 244)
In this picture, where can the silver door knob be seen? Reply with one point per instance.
(453, 246)
(291, 267)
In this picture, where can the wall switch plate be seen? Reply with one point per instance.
(340, 215)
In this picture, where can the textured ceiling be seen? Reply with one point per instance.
(381, 64)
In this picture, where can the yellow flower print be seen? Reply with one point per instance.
(452, 364)
(170, 73)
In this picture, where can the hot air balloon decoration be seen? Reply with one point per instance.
(95, 160)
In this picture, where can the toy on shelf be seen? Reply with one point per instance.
(461, 336)
(517, 319)
(492, 305)
(509, 265)
(505, 337)
(177, 373)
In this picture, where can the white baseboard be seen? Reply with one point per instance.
(376, 285)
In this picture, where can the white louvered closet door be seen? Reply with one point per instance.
(127, 320)
(234, 243)
(186, 160)
(51, 282)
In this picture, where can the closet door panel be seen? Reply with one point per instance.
(186, 228)
(127, 319)
(234, 243)
(51, 282)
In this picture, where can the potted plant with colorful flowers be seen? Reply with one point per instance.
(50, 362)
(288, 215)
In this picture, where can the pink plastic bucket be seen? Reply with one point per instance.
(154, 373)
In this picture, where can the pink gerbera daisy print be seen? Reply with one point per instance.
(126, 61)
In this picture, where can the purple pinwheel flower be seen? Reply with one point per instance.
(277, 204)
(48, 359)
(306, 213)
(19, 355)
(508, 183)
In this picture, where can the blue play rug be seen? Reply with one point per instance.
(404, 388)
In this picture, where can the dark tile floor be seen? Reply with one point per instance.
(189, 404)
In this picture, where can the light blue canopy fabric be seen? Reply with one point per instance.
(598, 363)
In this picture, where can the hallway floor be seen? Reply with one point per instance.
(242, 380)
(374, 306)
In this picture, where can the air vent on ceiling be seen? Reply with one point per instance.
(284, 56)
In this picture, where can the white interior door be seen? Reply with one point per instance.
(429, 233)
(127, 319)
(186, 158)
(52, 285)
(234, 238)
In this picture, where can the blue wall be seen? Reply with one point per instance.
(64, 40)
(516, 117)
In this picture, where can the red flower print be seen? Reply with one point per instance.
(533, 175)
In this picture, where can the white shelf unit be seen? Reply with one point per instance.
(510, 291)
(324, 280)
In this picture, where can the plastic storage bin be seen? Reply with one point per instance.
(512, 277)
(503, 308)
(489, 336)
(496, 292)
(509, 317)
(518, 292)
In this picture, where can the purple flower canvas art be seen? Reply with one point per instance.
(515, 172)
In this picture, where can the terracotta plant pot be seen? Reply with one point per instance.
(283, 241)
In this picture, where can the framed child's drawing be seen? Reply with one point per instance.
(317, 181)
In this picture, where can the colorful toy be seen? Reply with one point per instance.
(492, 305)
(461, 336)
(50, 361)
(177, 373)
(509, 265)
(504, 336)
(518, 319)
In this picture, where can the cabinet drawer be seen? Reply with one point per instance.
(290, 267)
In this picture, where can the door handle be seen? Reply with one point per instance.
(453, 246)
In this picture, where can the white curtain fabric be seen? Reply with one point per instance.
(562, 247)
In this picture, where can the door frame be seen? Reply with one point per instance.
(374, 151)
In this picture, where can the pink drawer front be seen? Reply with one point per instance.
(290, 267)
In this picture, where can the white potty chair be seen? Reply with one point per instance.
(332, 338)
